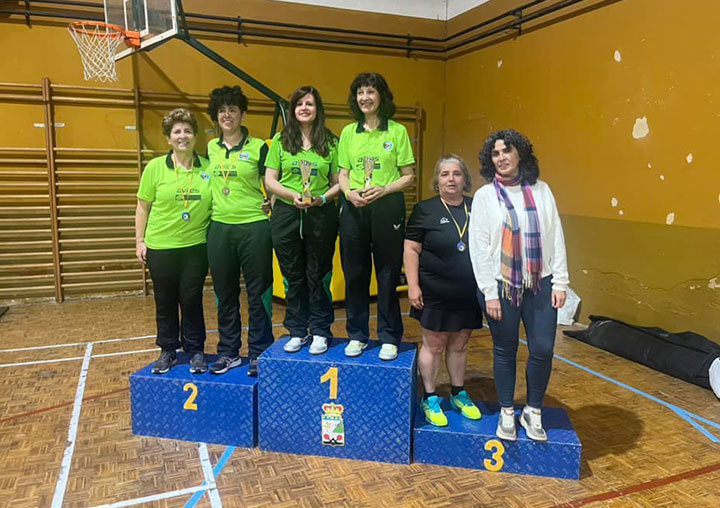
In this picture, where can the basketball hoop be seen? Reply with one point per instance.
(97, 43)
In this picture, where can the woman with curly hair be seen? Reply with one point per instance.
(302, 174)
(239, 235)
(376, 164)
(171, 222)
(517, 250)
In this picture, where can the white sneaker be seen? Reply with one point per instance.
(506, 424)
(388, 352)
(319, 345)
(295, 343)
(531, 420)
(355, 348)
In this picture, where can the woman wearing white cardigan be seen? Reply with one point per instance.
(517, 250)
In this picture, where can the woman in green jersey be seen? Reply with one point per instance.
(301, 171)
(171, 222)
(376, 164)
(239, 234)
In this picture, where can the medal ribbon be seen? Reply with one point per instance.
(461, 233)
(185, 197)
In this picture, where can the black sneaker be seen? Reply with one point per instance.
(224, 364)
(198, 364)
(162, 365)
(253, 368)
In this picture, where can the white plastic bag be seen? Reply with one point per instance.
(566, 315)
(714, 374)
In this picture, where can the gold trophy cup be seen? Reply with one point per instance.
(369, 165)
(305, 170)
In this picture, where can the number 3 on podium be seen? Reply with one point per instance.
(332, 376)
(496, 462)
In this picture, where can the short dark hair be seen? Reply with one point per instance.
(375, 80)
(179, 115)
(226, 96)
(529, 169)
(320, 137)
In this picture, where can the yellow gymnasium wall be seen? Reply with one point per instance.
(640, 207)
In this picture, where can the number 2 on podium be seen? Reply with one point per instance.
(190, 402)
(332, 376)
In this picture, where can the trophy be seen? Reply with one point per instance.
(369, 165)
(305, 170)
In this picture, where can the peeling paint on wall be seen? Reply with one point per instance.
(499, 64)
(689, 158)
(617, 56)
(621, 212)
(614, 202)
(662, 177)
(670, 218)
(640, 129)
(713, 283)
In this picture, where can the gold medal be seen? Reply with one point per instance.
(226, 190)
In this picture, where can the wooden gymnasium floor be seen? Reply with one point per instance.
(636, 450)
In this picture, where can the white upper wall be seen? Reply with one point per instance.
(430, 9)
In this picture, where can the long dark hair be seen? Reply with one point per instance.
(375, 80)
(321, 137)
(528, 165)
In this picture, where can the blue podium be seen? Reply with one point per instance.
(335, 406)
(474, 445)
(195, 407)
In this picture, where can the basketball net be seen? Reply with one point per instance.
(97, 43)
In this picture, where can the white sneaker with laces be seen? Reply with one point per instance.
(355, 348)
(295, 343)
(319, 345)
(388, 352)
(506, 424)
(531, 420)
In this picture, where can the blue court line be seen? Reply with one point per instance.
(682, 413)
(195, 499)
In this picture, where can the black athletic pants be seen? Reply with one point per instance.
(178, 277)
(304, 242)
(233, 248)
(377, 229)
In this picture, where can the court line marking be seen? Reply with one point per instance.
(61, 484)
(209, 476)
(154, 497)
(216, 471)
(613, 494)
(682, 413)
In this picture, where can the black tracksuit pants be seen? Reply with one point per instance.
(232, 248)
(304, 242)
(178, 277)
(378, 230)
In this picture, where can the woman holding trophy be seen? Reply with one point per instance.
(301, 171)
(376, 165)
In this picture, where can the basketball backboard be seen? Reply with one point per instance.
(155, 20)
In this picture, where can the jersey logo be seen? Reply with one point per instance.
(444, 220)
(396, 227)
(244, 156)
(388, 145)
(204, 175)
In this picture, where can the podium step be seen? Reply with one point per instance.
(474, 445)
(335, 406)
(218, 409)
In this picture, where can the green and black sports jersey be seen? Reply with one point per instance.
(235, 182)
(181, 202)
(289, 166)
(389, 148)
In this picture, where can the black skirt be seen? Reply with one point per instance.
(438, 320)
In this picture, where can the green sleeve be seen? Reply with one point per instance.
(146, 191)
(273, 157)
(343, 149)
(404, 149)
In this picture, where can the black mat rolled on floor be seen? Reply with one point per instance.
(684, 355)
